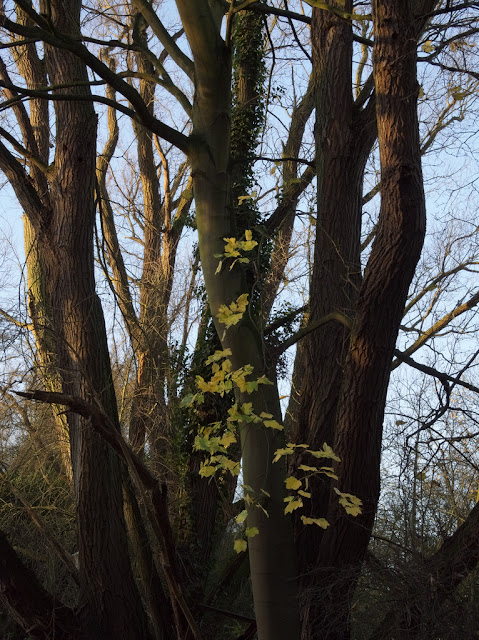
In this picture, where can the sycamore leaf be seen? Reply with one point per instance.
(293, 505)
(207, 470)
(218, 355)
(305, 467)
(326, 452)
(247, 408)
(321, 522)
(273, 424)
(292, 483)
(351, 504)
(241, 517)
(240, 545)
(279, 453)
(329, 471)
(428, 47)
(249, 245)
(227, 439)
(260, 506)
(251, 532)
(305, 494)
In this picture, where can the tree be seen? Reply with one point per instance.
(343, 365)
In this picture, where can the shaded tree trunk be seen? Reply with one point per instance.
(379, 308)
(109, 602)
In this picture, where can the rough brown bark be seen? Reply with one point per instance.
(344, 136)
(109, 602)
(379, 308)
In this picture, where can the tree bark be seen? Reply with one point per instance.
(109, 602)
(271, 552)
(379, 309)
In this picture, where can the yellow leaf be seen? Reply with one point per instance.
(240, 545)
(293, 505)
(241, 517)
(321, 522)
(247, 408)
(292, 483)
(242, 302)
(218, 355)
(251, 532)
(207, 470)
(351, 504)
(305, 494)
(328, 471)
(249, 245)
(305, 467)
(279, 453)
(272, 424)
(428, 47)
(227, 439)
(265, 415)
(326, 452)
(231, 247)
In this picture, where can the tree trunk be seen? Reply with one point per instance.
(109, 602)
(379, 309)
(271, 552)
(344, 135)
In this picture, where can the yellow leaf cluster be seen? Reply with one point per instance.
(232, 314)
(351, 504)
(293, 504)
